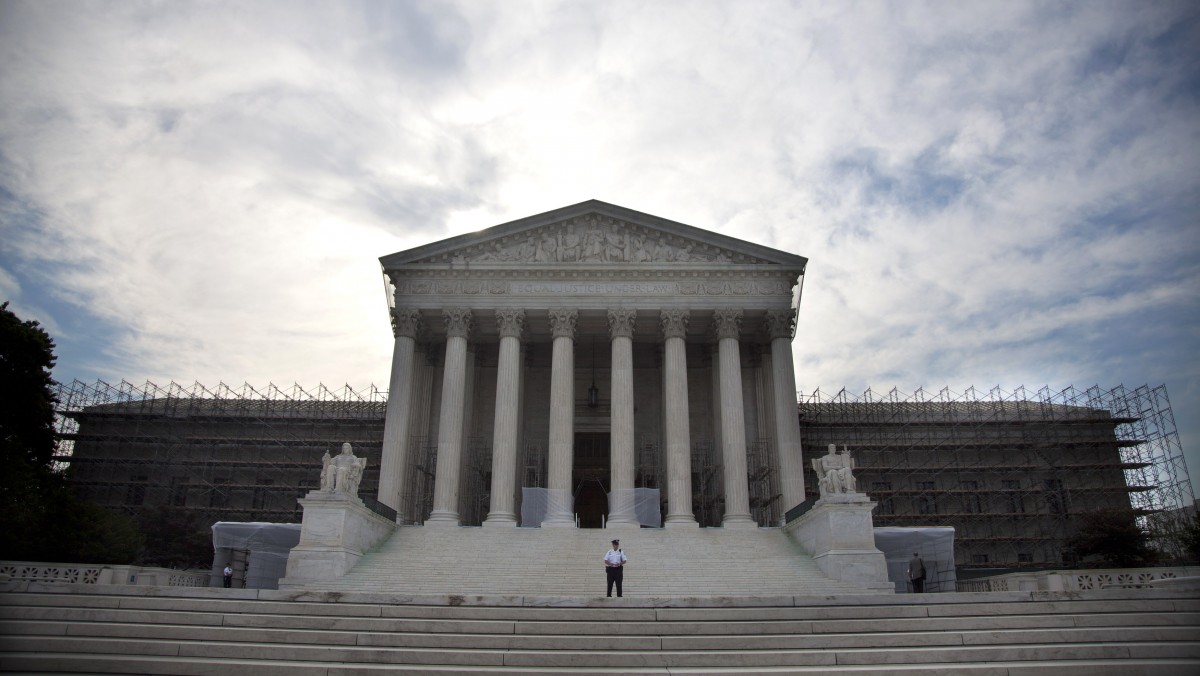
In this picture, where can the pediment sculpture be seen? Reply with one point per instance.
(342, 474)
(595, 239)
(835, 472)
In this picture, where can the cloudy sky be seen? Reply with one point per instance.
(990, 193)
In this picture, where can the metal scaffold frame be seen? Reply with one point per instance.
(1010, 470)
(239, 453)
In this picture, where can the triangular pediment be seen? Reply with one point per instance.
(592, 233)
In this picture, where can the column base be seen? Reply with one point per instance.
(443, 519)
(681, 521)
(501, 520)
(622, 522)
(739, 523)
(558, 522)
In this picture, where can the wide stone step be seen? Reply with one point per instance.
(210, 631)
(428, 560)
(697, 657)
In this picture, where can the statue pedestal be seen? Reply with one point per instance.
(840, 535)
(336, 531)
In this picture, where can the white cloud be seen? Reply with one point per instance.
(982, 188)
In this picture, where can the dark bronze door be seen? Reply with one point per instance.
(590, 478)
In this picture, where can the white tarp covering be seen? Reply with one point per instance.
(536, 503)
(646, 505)
(934, 544)
(268, 545)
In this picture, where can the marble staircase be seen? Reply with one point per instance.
(568, 562)
(165, 630)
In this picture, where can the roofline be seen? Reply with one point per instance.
(392, 261)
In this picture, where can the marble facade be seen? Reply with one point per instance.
(643, 337)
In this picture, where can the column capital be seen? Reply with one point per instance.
(562, 323)
(458, 321)
(406, 321)
(621, 323)
(511, 322)
(674, 322)
(727, 323)
(781, 324)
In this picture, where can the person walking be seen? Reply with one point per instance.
(614, 566)
(916, 573)
(228, 577)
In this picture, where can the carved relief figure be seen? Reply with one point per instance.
(592, 240)
(637, 250)
(616, 247)
(834, 471)
(569, 249)
(547, 249)
(594, 249)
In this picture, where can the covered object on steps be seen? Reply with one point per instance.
(934, 544)
(258, 552)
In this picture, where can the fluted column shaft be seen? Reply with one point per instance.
(621, 327)
(562, 419)
(504, 433)
(675, 407)
(782, 326)
(393, 468)
(450, 423)
(733, 421)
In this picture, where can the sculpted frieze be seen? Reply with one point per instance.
(616, 285)
(597, 239)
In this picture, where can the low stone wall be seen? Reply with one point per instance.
(1077, 580)
(83, 573)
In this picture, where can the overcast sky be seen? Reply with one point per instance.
(989, 193)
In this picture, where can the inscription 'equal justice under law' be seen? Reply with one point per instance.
(601, 288)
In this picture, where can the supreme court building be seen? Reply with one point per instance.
(613, 367)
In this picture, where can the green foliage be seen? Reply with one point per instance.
(27, 397)
(175, 537)
(1189, 537)
(26, 434)
(1112, 538)
(40, 518)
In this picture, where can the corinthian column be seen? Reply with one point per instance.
(620, 327)
(733, 422)
(562, 419)
(450, 423)
(675, 407)
(504, 435)
(782, 327)
(393, 469)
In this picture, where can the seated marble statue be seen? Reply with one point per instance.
(834, 472)
(342, 474)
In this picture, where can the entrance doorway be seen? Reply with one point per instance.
(590, 478)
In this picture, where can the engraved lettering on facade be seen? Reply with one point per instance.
(598, 288)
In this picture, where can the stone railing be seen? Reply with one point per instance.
(1077, 580)
(82, 573)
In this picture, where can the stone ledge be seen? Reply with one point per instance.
(533, 601)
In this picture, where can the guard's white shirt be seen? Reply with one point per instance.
(615, 557)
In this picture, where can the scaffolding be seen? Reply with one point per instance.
(1009, 470)
(226, 453)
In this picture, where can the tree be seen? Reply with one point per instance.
(26, 432)
(1112, 538)
(1189, 538)
(40, 518)
(175, 537)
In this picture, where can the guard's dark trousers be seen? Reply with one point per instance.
(614, 573)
